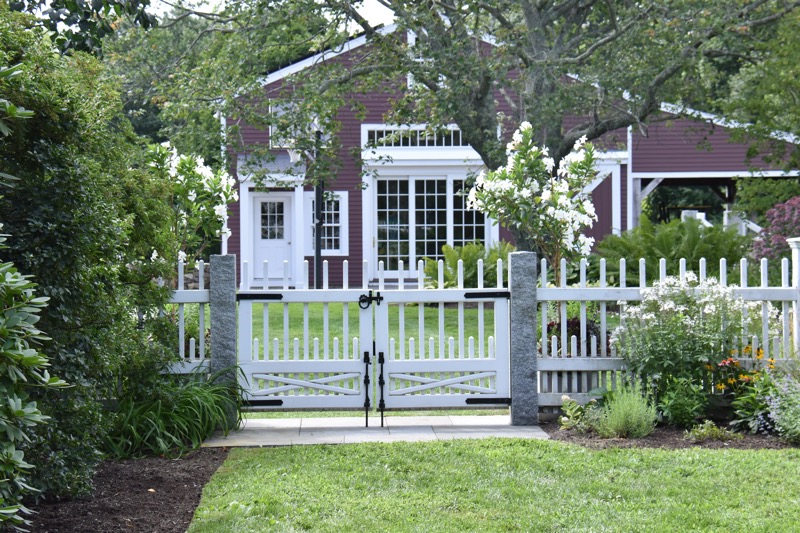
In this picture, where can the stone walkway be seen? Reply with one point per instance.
(258, 432)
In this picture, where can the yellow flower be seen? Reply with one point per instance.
(709, 367)
(748, 349)
(760, 353)
(731, 380)
(721, 386)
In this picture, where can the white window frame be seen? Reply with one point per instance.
(490, 229)
(344, 224)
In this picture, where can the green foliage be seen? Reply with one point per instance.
(199, 198)
(708, 430)
(82, 25)
(469, 254)
(180, 77)
(683, 329)
(784, 406)
(576, 416)
(751, 405)
(85, 215)
(755, 196)
(176, 416)
(683, 402)
(22, 368)
(672, 241)
(665, 204)
(624, 413)
(629, 413)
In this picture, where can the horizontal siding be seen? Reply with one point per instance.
(690, 146)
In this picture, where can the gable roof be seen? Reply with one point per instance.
(320, 57)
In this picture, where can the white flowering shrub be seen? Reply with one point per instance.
(684, 329)
(200, 199)
(546, 211)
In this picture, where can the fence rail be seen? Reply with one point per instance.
(575, 323)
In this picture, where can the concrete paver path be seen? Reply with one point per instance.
(258, 432)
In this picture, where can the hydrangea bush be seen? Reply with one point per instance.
(200, 199)
(685, 329)
(546, 211)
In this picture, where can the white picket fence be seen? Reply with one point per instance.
(567, 364)
(576, 364)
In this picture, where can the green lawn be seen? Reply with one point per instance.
(315, 320)
(501, 485)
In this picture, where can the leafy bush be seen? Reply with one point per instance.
(683, 402)
(629, 413)
(469, 254)
(784, 407)
(576, 416)
(625, 412)
(708, 430)
(682, 328)
(22, 367)
(86, 214)
(751, 406)
(672, 241)
(783, 222)
(177, 417)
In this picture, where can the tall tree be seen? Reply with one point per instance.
(606, 63)
(180, 77)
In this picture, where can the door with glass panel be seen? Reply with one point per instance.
(272, 234)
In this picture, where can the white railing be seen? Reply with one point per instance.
(192, 352)
(575, 364)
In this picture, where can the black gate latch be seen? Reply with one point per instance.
(365, 300)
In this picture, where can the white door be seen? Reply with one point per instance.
(272, 235)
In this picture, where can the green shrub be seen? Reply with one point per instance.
(708, 430)
(576, 416)
(22, 368)
(683, 402)
(672, 241)
(629, 413)
(751, 406)
(180, 414)
(784, 407)
(469, 254)
(684, 329)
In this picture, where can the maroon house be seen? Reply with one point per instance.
(403, 211)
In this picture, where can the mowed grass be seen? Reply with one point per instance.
(311, 317)
(501, 485)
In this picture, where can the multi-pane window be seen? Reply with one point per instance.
(334, 223)
(272, 223)
(393, 212)
(436, 207)
(469, 225)
(331, 224)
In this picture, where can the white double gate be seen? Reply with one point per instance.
(374, 349)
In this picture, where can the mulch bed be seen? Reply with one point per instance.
(161, 495)
(153, 494)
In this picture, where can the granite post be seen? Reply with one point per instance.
(223, 320)
(524, 393)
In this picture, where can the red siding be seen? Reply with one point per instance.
(601, 198)
(690, 146)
